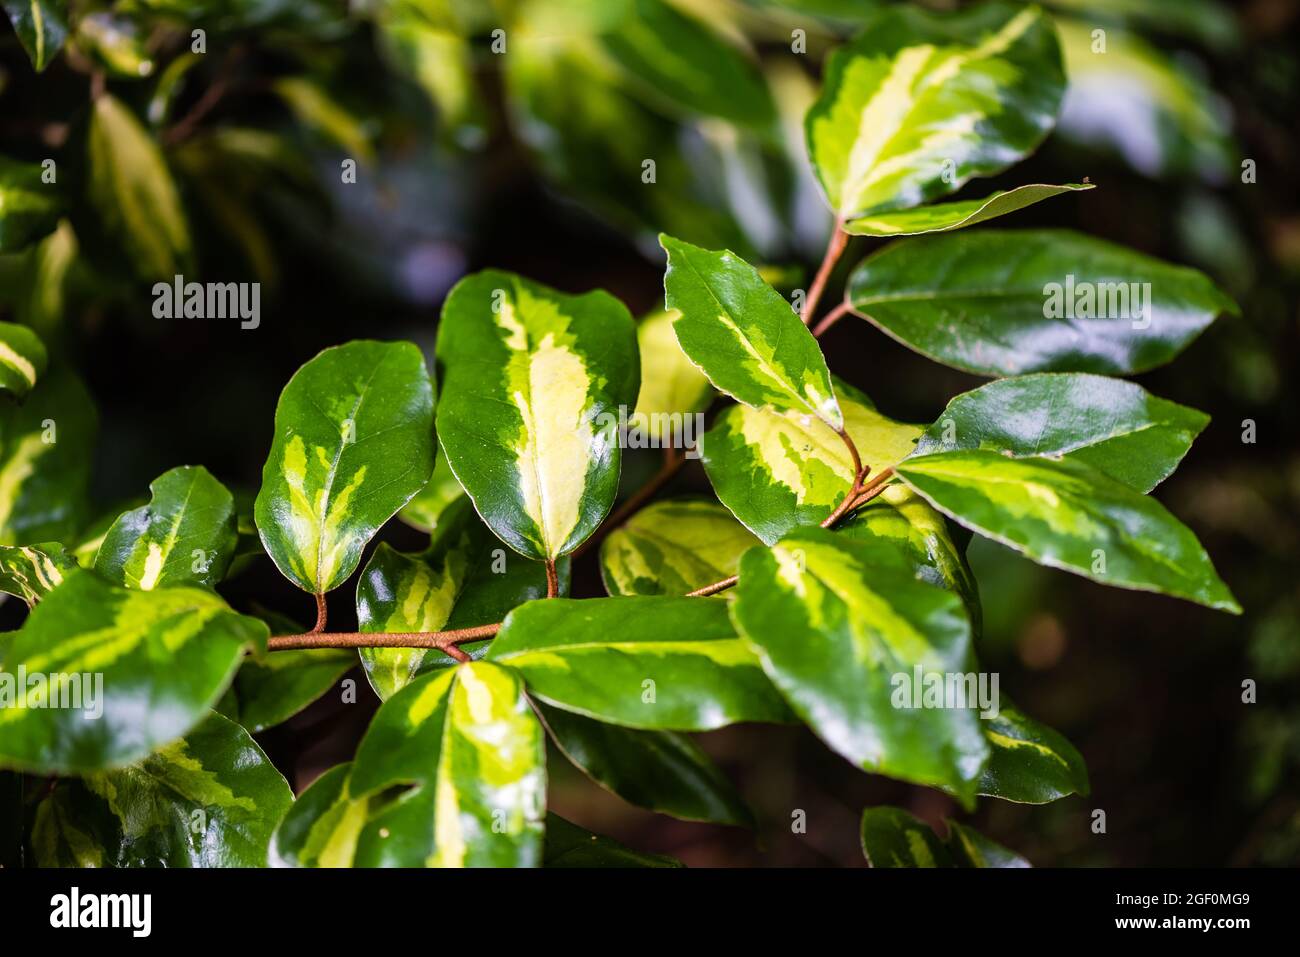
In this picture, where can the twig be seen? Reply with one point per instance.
(552, 579)
(185, 126)
(713, 589)
(830, 319)
(834, 248)
(321, 615)
(445, 641)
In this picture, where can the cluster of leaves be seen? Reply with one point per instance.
(841, 530)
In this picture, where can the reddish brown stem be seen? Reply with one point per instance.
(442, 640)
(830, 319)
(834, 248)
(713, 589)
(321, 615)
(552, 579)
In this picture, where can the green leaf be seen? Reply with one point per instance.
(465, 578)
(1030, 763)
(840, 625)
(467, 741)
(46, 447)
(901, 518)
(319, 110)
(41, 25)
(945, 217)
(423, 511)
(210, 799)
(1115, 426)
(271, 689)
(893, 838)
(529, 411)
(568, 845)
(115, 43)
(353, 443)
(150, 664)
(672, 548)
(921, 102)
(441, 61)
(659, 663)
(185, 535)
(661, 771)
(1067, 515)
(670, 383)
(743, 334)
(680, 61)
(133, 194)
(31, 572)
(322, 826)
(29, 207)
(22, 358)
(776, 472)
(997, 302)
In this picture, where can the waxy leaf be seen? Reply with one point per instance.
(678, 59)
(671, 385)
(997, 302)
(1065, 514)
(568, 845)
(672, 548)
(528, 415)
(469, 743)
(842, 627)
(428, 505)
(353, 443)
(133, 195)
(901, 518)
(29, 208)
(743, 334)
(322, 826)
(137, 669)
(464, 579)
(22, 357)
(271, 689)
(31, 572)
(185, 535)
(46, 447)
(1030, 763)
(210, 799)
(776, 472)
(921, 102)
(660, 663)
(893, 838)
(945, 217)
(1115, 426)
(42, 27)
(659, 770)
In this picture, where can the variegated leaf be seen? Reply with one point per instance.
(1117, 427)
(671, 385)
(672, 548)
(1065, 514)
(22, 358)
(46, 447)
(465, 578)
(1030, 763)
(840, 625)
(322, 826)
(945, 217)
(893, 838)
(42, 28)
(664, 663)
(528, 415)
(185, 535)
(776, 472)
(31, 572)
(353, 444)
(271, 688)
(473, 751)
(920, 102)
(149, 664)
(424, 510)
(29, 209)
(210, 799)
(744, 335)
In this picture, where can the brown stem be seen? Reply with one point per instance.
(713, 589)
(834, 248)
(552, 579)
(442, 640)
(321, 615)
(830, 319)
(186, 125)
(674, 459)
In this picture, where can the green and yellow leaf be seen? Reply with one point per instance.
(893, 838)
(945, 217)
(31, 572)
(42, 27)
(1030, 763)
(671, 385)
(29, 206)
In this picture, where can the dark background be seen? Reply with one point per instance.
(1148, 688)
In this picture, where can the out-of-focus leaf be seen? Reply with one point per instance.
(568, 845)
(671, 385)
(318, 110)
(1029, 762)
(442, 62)
(31, 572)
(22, 359)
(49, 263)
(272, 688)
(29, 208)
(424, 511)
(115, 43)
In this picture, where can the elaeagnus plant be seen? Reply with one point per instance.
(825, 583)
